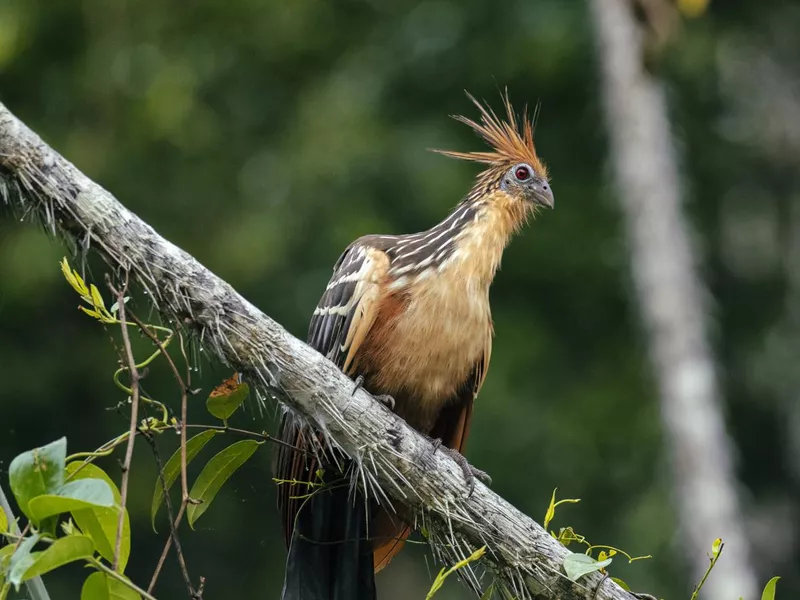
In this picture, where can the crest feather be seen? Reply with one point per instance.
(510, 143)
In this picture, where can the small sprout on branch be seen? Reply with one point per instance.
(576, 564)
(716, 552)
(551, 510)
(91, 295)
(445, 573)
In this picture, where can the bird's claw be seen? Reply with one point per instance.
(386, 400)
(470, 473)
(357, 385)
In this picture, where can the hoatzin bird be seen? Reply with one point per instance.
(406, 316)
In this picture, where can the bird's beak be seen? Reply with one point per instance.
(543, 194)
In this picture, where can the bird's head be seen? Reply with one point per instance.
(514, 167)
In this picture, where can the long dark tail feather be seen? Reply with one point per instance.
(330, 555)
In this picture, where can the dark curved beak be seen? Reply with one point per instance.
(543, 193)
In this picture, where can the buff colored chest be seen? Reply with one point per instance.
(432, 329)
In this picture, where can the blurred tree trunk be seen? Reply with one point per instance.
(672, 303)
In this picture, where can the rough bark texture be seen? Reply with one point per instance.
(673, 304)
(397, 464)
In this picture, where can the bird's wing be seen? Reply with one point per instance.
(349, 305)
(338, 327)
(452, 427)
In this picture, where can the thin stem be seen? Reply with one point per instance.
(21, 537)
(104, 450)
(257, 434)
(126, 465)
(713, 561)
(112, 573)
(184, 479)
(184, 397)
(173, 529)
(173, 525)
(108, 448)
(184, 401)
(162, 346)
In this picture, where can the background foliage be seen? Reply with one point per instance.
(264, 136)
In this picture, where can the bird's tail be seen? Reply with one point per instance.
(326, 522)
(330, 555)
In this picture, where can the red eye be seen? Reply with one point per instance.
(522, 173)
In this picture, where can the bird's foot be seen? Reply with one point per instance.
(357, 385)
(384, 399)
(470, 473)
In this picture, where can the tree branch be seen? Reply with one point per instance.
(395, 461)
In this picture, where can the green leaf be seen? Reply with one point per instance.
(97, 298)
(577, 565)
(5, 555)
(173, 468)
(3, 521)
(551, 510)
(80, 470)
(115, 307)
(216, 473)
(99, 586)
(100, 523)
(22, 559)
(38, 471)
(64, 550)
(621, 583)
(75, 495)
(226, 398)
(769, 589)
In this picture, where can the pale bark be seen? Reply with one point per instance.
(526, 560)
(761, 91)
(673, 305)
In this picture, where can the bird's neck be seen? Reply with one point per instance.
(479, 245)
(469, 243)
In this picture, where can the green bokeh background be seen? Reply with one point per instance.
(263, 136)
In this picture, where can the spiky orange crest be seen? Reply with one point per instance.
(510, 144)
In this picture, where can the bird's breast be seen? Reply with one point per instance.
(425, 342)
